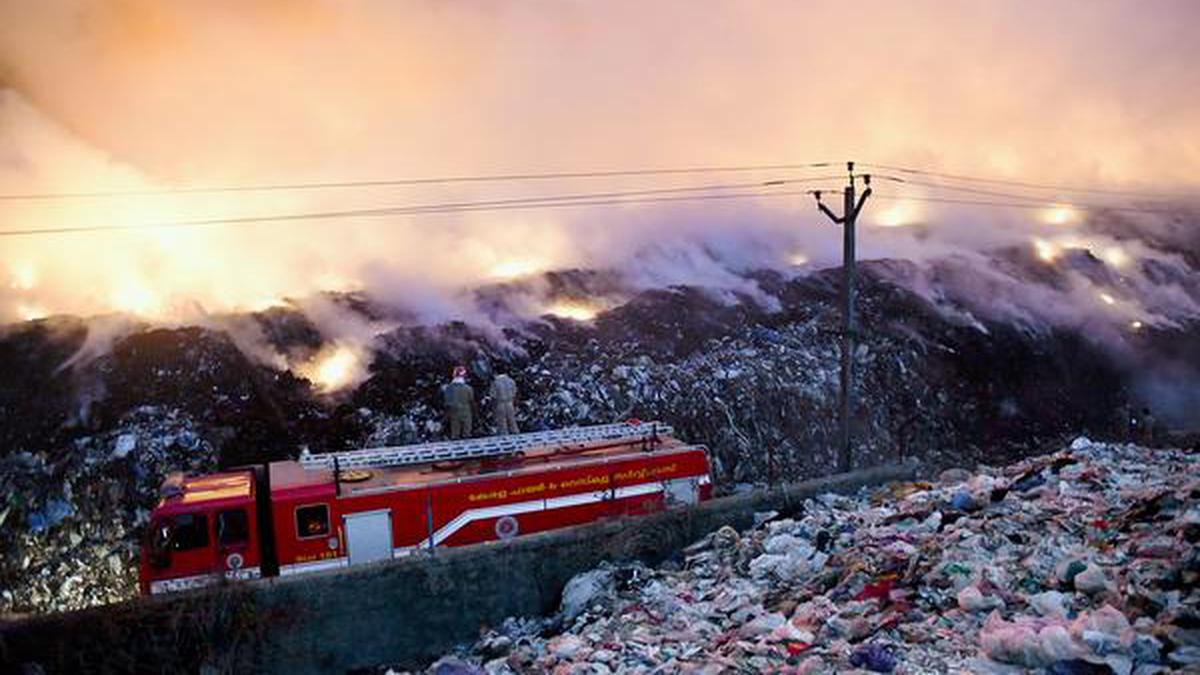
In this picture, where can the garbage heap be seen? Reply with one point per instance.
(70, 521)
(1084, 561)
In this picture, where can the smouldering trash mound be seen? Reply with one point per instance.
(83, 449)
(1083, 561)
(85, 442)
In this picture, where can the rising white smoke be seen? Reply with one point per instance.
(141, 94)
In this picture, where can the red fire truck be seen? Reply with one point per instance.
(333, 510)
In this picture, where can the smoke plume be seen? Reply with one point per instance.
(143, 95)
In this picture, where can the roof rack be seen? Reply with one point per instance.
(479, 448)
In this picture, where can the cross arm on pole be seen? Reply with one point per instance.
(825, 209)
(863, 198)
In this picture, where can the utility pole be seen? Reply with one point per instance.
(850, 210)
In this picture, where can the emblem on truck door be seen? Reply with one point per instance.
(506, 527)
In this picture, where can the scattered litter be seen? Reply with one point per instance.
(83, 511)
(874, 657)
(124, 445)
(55, 511)
(1074, 563)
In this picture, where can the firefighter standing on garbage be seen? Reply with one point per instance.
(459, 399)
(1146, 432)
(504, 413)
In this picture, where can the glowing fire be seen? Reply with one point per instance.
(333, 368)
(1108, 299)
(136, 298)
(900, 214)
(574, 310)
(1060, 214)
(511, 269)
(263, 304)
(1136, 325)
(1115, 256)
(1050, 249)
(23, 277)
(31, 312)
(799, 259)
(1046, 250)
(344, 118)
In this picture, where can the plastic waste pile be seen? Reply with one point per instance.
(70, 522)
(1084, 561)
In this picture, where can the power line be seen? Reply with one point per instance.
(1026, 204)
(645, 196)
(533, 203)
(1028, 200)
(485, 178)
(958, 188)
(571, 175)
(1031, 185)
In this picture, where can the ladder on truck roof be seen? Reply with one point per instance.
(479, 448)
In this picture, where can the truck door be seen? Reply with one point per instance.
(180, 553)
(368, 536)
(233, 542)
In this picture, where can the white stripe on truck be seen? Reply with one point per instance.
(533, 506)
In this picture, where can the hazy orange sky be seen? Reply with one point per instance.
(146, 93)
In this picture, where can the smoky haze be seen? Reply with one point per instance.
(145, 95)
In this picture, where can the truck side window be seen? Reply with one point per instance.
(232, 527)
(160, 544)
(190, 532)
(312, 521)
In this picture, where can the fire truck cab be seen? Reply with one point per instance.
(205, 528)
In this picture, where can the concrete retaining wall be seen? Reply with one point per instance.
(405, 611)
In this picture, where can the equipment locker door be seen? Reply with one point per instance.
(682, 491)
(368, 536)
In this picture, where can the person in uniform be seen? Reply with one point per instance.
(1146, 436)
(459, 399)
(1121, 424)
(1133, 432)
(504, 412)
